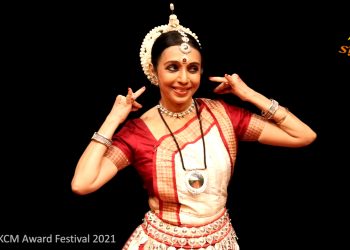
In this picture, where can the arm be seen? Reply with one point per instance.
(283, 129)
(93, 170)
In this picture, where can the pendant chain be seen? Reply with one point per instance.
(177, 144)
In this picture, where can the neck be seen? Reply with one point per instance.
(176, 107)
(180, 113)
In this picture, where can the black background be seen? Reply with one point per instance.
(66, 63)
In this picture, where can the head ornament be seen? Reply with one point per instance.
(152, 35)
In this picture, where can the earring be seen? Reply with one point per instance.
(154, 80)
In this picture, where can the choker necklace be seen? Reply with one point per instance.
(196, 180)
(182, 114)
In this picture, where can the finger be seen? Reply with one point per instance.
(223, 85)
(222, 88)
(129, 96)
(217, 79)
(232, 78)
(222, 91)
(139, 92)
(136, 105)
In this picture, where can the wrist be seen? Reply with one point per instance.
(101, 139)
(109, 126)
(269, 113)
(112, 121)
(250, 96)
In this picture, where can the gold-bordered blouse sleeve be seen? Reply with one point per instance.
(255, 128)
(117, 156)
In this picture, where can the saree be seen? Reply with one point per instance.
(179, 219)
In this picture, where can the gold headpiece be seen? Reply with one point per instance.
(148, 41)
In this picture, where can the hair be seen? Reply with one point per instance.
(168, 39)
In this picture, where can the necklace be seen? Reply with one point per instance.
(182, 114)
(196, 180)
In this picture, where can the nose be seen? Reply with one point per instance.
(183, 78)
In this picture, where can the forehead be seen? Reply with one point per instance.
(173, 53)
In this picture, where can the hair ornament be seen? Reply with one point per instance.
(152, 35)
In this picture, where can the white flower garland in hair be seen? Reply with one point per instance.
(152, 35)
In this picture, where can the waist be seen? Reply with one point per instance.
(216, 232)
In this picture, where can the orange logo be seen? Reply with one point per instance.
(345, 49)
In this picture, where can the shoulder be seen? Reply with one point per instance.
(212, 103)
(220, 106)
(149, 114)
(208, 101)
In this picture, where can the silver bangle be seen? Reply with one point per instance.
(269, 113)
(101, 139)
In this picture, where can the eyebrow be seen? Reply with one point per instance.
(180, 62)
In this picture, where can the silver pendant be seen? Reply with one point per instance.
(196, 181)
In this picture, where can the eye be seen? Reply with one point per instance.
(172, 68)
(193, 68)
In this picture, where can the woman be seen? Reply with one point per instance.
(183, 148)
